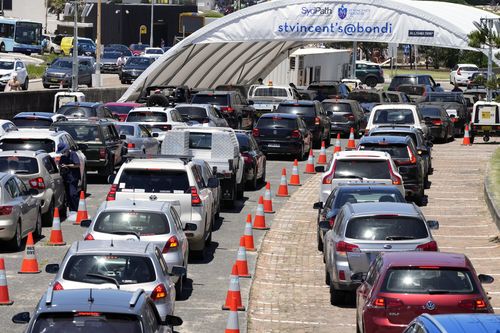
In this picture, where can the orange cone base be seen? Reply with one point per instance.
(260, 228)
(28, 271)
(7, 303)
(252, 249)
(309, 172)
(292, 184)
(269, 211)
(242, 308)
(55, 243)
(282, 195)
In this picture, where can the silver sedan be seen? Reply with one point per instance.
(139, 139)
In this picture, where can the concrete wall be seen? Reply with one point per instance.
(11, 103)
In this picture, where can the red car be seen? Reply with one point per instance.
(121, 110)
(400, 286)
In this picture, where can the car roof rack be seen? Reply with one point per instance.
(184, 158)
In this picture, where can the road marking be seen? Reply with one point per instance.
(288, 284)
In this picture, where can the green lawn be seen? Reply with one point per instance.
(36, 71)
(494, 179)
(436, 74)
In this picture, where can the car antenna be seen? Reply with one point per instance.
(91, 298)
(112, 245)
(133, 196)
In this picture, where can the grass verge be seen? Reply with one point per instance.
(436, 74)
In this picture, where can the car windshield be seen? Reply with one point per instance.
(428, 280)
(18, 164)
(373, 195)
(277, 122)
(413, 136)
(445, 98)
(111, 55)
(32, 122)
(85, 42)
(200, 140)
(142, 223)
(371, 169)
(138, 62)
(6, 65)
(325, 90)
(395, 150)
(138, 47)
(28, 144)
(126, 269)
(192, 112)
(138, 116)
(386, 227)
(86, 322)
(156, 181)
(307, 111)
(77, 111)
(393, 116)
(430, 112)
(125, 129)
(210, 99)
(85, 133)
(365, 97)
(28, 33)
(270, 92)
(337, 107)
(61, 63)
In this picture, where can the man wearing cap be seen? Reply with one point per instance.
(69, 165)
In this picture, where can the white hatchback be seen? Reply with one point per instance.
(461, 73)
(397, 115)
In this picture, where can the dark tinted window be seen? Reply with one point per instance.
(125, 129)
(158, 181)
(57, 322)
(111, 55)
(393, 116)
(77, 111)
(469, 69)
(28, 144)
(138, 116)
(325, 90)
(142, 223)
(277, 122)
(393, 98)
(32, 122)
(397, 81)
(365, 97)
(362, 168)
(244, 142)
(337, 107)
(445, 98)
(138, 62)
(192, 112)
(62, 63)
(367, 196)
(87, 133)
(396, 151)
(412, 90)
(430, 112)
(119, 109)
(413, 136)
(300, 110)
(428, 281)
(211, 99)
(390, 227)
(126, 269)
(270, 92)
(18, 164)
(200, 140)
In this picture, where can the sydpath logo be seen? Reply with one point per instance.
(316, 11)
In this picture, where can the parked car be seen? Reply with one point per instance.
(138, 49)
(86, 46)
(415, 91)
(255, 160)
(54, 43)
(99, 141)
(461, 74)
(109, 61)
(397, 114)
(444, 323)
(369, 73)
(60, 70)
(362, 231)
(205, 114)
(36, 119)
(345, 114)
(413, 283)
(369, 98)
(330, 89)
(9, 67)
(105, 310)
(20, 211)
(454, 104)
(282, 133)
(86, 110)
(426, 79)
(6, 126)
(120, 47)
(314, 116)
(238, 112)
(441, 125)
(134, 67)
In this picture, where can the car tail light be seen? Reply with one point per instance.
(328, 178)
(112, 193)
(37, 183)
(247, 158)
(385, 302)
(344, 247)
(172, 243)
(102, 153)
(195, 198)
(349, 117)
(473, 304)
(226, 109)
(5, 210)
(130, 145)
(396, 180)
(437, 122)
(255, 132)
(57, 286)
(89, 237)
(296, 134)
(454, 119)
(412, 159)
(331, 221)
(317, 121)
(430, 246)
(159, 292)
(459, 72)
(342, 275)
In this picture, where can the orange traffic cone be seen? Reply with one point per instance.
(338, 147)
(322, 154)
(268, 202)
(351, 144)
(283, 188)
(248, 234)
(82, 213)
(295, 178)
(232, 325)
(233, 297)
(241, 260)
(466, 140)
(56, 237)
(30, 264)
(310, 163)
(260, 219)
(4, 289)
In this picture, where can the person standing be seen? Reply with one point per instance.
(69, 165)
(13, 84)
(456, 88)
(162, 43)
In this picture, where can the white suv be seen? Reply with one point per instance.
(396, 115)
(9, 67)
(170, 179)
(360, 166)
(461, 73)
(157, 119)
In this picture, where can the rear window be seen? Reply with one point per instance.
(430, 112)
(156, 181)
(371, 169)
(18, 164)
(77, 111)
(396, 151)
(32, 122)
(445, 98)
(126, 269)
(86, 133)
(125, 129)
(412, 90)
(365, 97)
(142, 223)
(469, 69)
(390, 228)
(397, 81)
(324, 90)
(119, 109)
(277, 122)
(270, 92)
(86, 322)
(192, 112)
(429, 280)
(210, 99)
(140, 116)
(393, 116)
(300, 110)
(244, 142)
(200, 140)
(368, 196)
(28, 144)
(411, 135)
(337, 107)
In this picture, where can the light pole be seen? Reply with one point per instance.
(98, 46)
(74, 75)
(151, 25)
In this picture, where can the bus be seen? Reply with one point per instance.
(21, 36)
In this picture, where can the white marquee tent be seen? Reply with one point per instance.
(248, 44)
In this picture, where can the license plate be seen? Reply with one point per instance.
(486, 128)
(54, 80)
(486, 115)
(273, 145)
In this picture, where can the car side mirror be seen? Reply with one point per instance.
(358, 277)
(178, 271)
(320, 168)
(21, 318)
(156, 134)
(430, 144)
(433, 224)
(190, 227)
(111, 179)
(172, 321)
(123, 137)
(52, 268)
(85, 223)
(33, 191)
(318, 205)
(485, 279)
(213, 182)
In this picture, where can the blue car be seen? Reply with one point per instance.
(36, 119)
(455, 323)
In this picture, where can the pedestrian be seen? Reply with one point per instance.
(260, 81)
(13, 84)
(456, 88)
(121, 61)
(45, 44)
(162, 43)
(427, 62)
(69, 165)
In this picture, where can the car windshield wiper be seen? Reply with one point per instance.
(136, 234)
(437, 291)
(104, 277)
(399, 237)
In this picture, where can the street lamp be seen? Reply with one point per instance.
(74, 73)
(98, 46)
(151, 25)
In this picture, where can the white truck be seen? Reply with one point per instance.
(267, 98)
(217, 146)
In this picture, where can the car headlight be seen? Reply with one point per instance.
(5, 78)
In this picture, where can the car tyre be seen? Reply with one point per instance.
(26, 83)
(16, 242)
(371, 81)
(327, 277)
(252, 184)
(37, 232)
(336, 296)
(48, 217)
(46, 86)
(198, 254)
(240, 188)
(2, 48)
(263, 177)
(320, 242)
(179, 288)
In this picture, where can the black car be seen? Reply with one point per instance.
(329, 89)
(313, 114)
(345, 114)
(439, 121)
(108, 61)
(369, 73)
(60, 70)
(353, 193)
(369, 98)
(120, 48)
(283, 133)
(238, 112)
(414, 79)
(254, 158)
(455, 105)
(404, 154)
(133, 68)
(99, 141)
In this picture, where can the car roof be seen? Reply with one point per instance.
(4, 121)
(383, 208)
(280, 115)
(45, 115)
(465, 322)
(360, 187)
(423, 258)
(32, 133)
(151, 109)
(123, 104)
(339, 101)
(112, 246)
(4, 175)
(410, 75)
(298, 102)
(155, 163)
(216, 92)
(134, 205)
(194, 105)
(26, 153)
(396, 128)
(85, 104)
(362, 154)
(394, 106)
(388, 139)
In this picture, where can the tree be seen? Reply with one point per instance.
(56, 6)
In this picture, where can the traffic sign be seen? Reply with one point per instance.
(143, 30)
